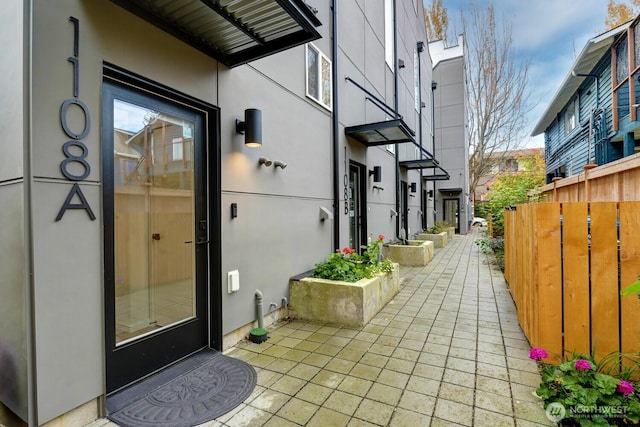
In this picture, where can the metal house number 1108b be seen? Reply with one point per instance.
(75, 151)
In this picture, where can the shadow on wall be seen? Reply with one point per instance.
(8, 387)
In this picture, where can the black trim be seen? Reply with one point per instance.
(361, 174)
(295, 9)
(437, 177)
(129, 86)
(419, 164)
(381, 133)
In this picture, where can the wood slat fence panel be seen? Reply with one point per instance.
(604, 279)
(565, 270)
(575, 257)
(629, 271)
(548, 276)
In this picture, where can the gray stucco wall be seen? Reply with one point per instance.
(362, 58)
(277, 233)
(452, 146)
(13, 262)
(68, 255)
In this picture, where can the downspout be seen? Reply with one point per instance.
(29, 294)
(336, 133)
(423, 202)
(395, 107)
(434, 86)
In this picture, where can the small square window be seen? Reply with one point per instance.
(319, 78)
(571, 117)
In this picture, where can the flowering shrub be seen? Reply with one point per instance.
(349, 266)
(588, 393)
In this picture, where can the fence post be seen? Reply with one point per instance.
(587, 168)
(555, 192)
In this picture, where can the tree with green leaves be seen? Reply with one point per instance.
(513, 188)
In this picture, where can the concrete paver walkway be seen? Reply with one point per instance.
(447, 350)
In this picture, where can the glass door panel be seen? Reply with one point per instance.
(155, 231)
(154, 218)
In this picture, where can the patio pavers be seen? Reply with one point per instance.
(446, 351)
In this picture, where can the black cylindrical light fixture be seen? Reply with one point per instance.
(377, 173)
(413, 187)
(251, 127)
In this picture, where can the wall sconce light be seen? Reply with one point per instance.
(279, 164)
(430, 193)
(400, 63)
(251, 127)
(413, 187)
(264, 161)
(377, 173)
(377, 187)
(434, 85)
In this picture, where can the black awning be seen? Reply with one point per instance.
(419, 164)
(232, 31)
(450, 191)
(436, 177)
(381, 133)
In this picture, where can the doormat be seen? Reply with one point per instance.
(200, 389)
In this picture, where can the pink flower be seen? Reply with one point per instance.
(537, 353)
(583, 365)
(339, 251)
(625, 387)
(380, 237)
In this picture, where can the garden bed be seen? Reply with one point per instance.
(439, 240)
(342, 303)
(415, 253)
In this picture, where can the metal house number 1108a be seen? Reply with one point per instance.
(75, 151)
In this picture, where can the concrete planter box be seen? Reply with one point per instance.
(451, 231)
(417, 252)
(342, 303)
(439, 240)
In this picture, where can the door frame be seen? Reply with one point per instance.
(212, 205)
(361, 207)
(404, 209)
(444, 210)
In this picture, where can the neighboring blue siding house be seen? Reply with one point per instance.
(593, 116)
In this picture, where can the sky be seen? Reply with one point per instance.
(550, 34)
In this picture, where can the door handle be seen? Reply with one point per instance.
(202, 242)
(155, 236)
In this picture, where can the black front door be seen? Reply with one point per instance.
(404, 210)
(452, 213)
(356, 206)
(156, 232)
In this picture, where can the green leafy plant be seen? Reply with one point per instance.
(438, 227)
(634, 288)
(590, 393)
(349, 266)
(513, 188)
(493, 245)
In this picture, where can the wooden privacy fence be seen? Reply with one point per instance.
(565, 264)
(613, 182)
